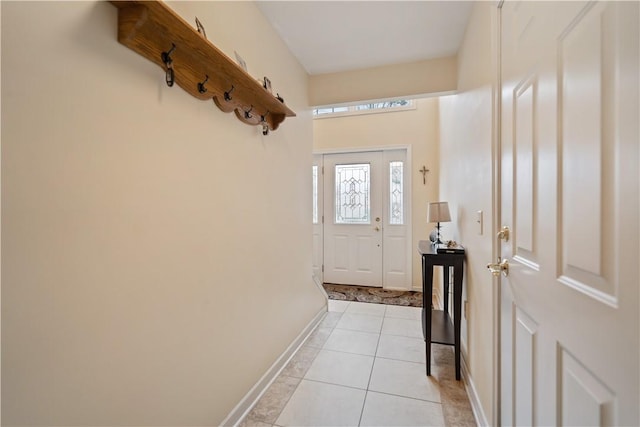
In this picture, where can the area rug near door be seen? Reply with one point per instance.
(373, 295)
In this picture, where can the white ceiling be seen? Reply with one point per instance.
(332, 36)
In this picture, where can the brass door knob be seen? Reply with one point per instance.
(500, 267)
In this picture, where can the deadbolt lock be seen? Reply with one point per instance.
(504, 234)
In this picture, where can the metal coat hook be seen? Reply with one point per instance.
(168, 62)
(227, 95)
(169, 77)
(265, 125)
(166, 56)
(201, 87)
(200, 28)
(247, 114)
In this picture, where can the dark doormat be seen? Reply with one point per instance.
(373, 295)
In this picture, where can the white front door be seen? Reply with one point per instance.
(367, 219)
(353, 219)
(569, 193)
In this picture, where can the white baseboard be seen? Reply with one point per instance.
(238, 413)
(472, 393)
(318, 283)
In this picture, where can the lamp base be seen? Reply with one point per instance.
(434, 237)
(438, 240)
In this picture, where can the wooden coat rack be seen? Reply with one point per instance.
(156, 32)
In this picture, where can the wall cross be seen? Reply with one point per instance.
(424, 171)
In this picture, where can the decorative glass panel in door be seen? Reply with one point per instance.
(352, 194)
(396, 202)
(314, 172)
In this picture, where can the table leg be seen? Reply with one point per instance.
(427, 291)
(457, 310)
(445, 287)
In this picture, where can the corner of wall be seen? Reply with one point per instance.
(466, 141)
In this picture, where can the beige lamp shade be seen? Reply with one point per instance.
(438, 212)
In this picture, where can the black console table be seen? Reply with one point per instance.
(436, 324)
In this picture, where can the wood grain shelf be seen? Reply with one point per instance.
(151, 28)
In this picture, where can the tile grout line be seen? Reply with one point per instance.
(400, 360)
(375, 357)
(364, 402)
(366, 394)
(347, 352)
(303, 374)
(334, 384)
(405, 397)
(299, 382)
(287, 400)
(302, 378)
(368, 390)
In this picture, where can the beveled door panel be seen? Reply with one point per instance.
(588, 101)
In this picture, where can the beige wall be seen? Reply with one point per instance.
(415, 128)
(429, 77)
(156, 252)
(466, 145)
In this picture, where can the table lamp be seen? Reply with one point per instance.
(438, 212)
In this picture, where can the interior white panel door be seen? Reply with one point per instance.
(353, 218)
(569, 193)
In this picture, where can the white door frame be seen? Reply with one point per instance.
(317, 226)
(408, 185)
(496, 247)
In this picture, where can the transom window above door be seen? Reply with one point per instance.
(368, 108)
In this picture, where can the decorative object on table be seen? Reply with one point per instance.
(200, 28)
(438, 212)
(424, 171)
(450, 247)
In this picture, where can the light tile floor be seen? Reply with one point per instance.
(364, 365)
